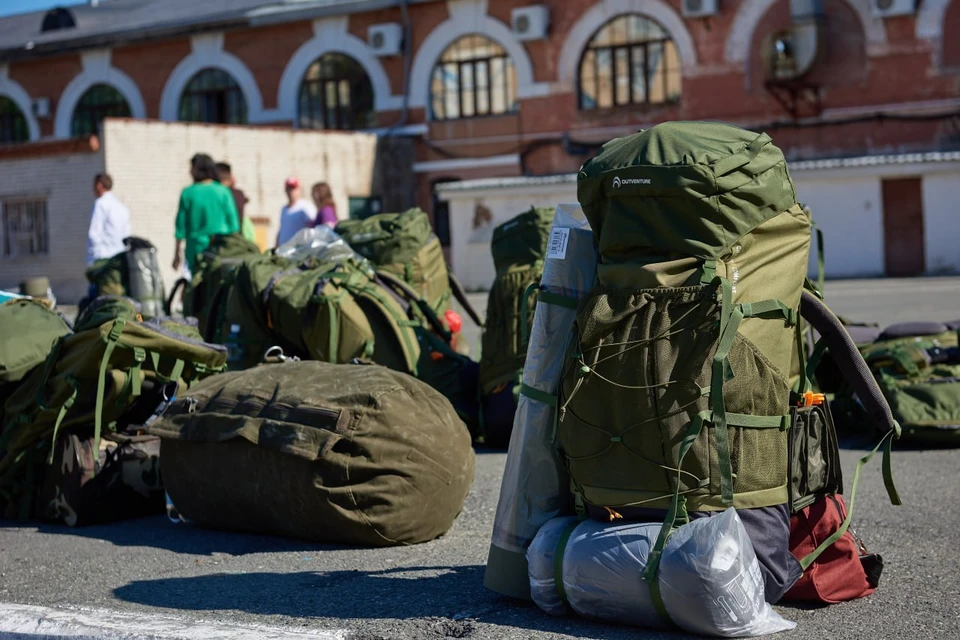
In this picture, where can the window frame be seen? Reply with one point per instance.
(11, 120)
(473, 63)
(631, 48)
(40, 233)
(221, 105)
(94, 114)
(321, 111)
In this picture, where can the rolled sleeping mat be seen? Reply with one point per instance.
(708, 580)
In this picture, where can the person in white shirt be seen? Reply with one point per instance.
(109, 222)
(297, 214)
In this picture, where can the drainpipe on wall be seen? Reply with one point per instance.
(407, 63)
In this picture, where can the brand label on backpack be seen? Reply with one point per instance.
(557, 248)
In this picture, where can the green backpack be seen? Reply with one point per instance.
(105, 375)
(135, 273)
(518, 247)
(30, 330)
(215, 268)
(404, 245)
(348, 454)
(917, 366)
(684, 384)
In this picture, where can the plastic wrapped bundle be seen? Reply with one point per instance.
(535, 486)
(709, 577)
(322, 243)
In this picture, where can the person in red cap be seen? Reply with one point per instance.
(297, 214)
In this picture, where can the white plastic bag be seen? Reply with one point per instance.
(709, 576)
(322, 243)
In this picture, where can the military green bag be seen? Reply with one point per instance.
(204, 294)
(106, 376)
(349, 454)
(917, 366)
(135, 273)
(684, 373)
(404, 245)
(28, 332)
(518, 249)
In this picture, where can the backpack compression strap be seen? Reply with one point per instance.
(461, 295)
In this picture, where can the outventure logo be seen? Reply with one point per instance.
(618, 182)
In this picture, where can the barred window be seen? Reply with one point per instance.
(474, 77)
(212, 95)
(630, 60)
(98, 102)
(336, 94)
(25, 227)
(13, 124)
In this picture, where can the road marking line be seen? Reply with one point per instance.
(27, 621)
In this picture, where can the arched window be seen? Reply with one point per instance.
(13, 124)
(336, 94)
(630, 60)
(212, 95)
(474, 77)
(98, 102)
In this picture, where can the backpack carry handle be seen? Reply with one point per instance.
(461, 295)
(849, 360)
(405, 290)
(168, 305)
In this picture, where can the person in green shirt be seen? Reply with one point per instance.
(206, 209)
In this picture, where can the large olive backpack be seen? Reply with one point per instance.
(135, 273)
(684, 383)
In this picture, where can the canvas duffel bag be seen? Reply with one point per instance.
(352, 454)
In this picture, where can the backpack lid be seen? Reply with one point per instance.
(388, 238)
(691, 188)
(522, 239)
(30, 329)
(105, 309)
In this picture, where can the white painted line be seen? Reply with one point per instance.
(20, 621)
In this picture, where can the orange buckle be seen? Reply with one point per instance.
(436, 356)
(809, 398)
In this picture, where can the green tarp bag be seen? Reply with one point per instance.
(28, 332)
(101, 377)
(518, 249)
(917, 366)
(349, 454)
(135, 273)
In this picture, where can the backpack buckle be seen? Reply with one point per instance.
(809, 399)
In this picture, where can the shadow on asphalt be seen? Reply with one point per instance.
(455, 593)
(159, 533)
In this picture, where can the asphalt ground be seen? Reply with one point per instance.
(150, 578)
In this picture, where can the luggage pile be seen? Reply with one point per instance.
(674, 431)
(75, 402)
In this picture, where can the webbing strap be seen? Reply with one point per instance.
(758, 422)
(815, 356)
(558, 560)
(730, 318)
(525, 313)
(886, 442)
(820, 258)
(804, 381)
(333, 334)
(139, 356)
(112, 339)
(60, 416)
(769, 309)
(557, 299)
(175, 372)
(539, 396)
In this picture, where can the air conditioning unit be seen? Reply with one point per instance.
(700, 8)
(888, 8)
(385, 39)
(530, 23)
(791, 53)
(41, 107)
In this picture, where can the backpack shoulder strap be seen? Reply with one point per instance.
(461, 295)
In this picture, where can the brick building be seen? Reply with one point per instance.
(515, 88)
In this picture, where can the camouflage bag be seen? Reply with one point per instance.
(349, 454)
(127, 484)
(134, 273)
(106, 376)
(518, 247)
